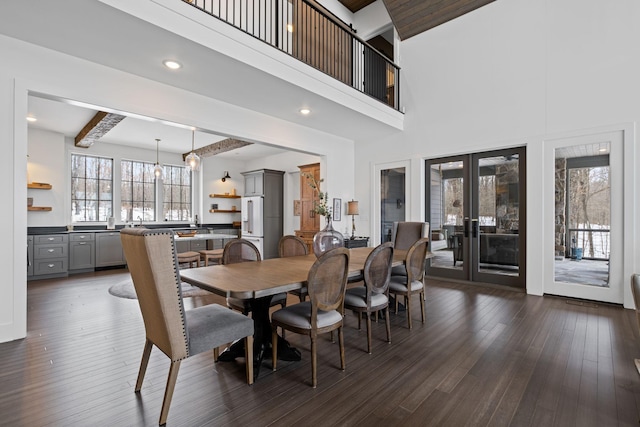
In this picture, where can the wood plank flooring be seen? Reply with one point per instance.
(485, 357)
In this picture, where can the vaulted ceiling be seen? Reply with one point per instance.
(412, 17)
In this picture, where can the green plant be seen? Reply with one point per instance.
(320, 207)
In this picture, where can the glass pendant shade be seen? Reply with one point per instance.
(158, 169)
(192, 161)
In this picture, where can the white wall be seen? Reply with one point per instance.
(75, 79)
(517, 73)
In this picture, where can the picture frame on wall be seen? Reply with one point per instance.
(297, 207)
(337, 209)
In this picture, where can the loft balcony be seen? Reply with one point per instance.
(314, 37)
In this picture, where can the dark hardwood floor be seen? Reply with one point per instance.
(484, 357)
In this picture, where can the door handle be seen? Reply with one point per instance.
(475, 226)
(466, 227)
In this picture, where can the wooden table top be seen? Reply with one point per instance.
(268, 277)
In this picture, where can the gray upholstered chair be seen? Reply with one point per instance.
(290, 245)
(242, 250)
(326, 284)
(177, 332)
(374, 295)
(635, 290)
(403, 235)
(412, 283)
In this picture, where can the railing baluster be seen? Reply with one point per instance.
(316, 39)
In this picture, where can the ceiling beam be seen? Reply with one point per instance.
(218, 147)
(97, 127)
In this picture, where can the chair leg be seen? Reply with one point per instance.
(148, 345)
(216, 353)
(422, 304)
(388, 322)
(359, 313)
(248, 357)
(343, 363)
(168, 392)
(407, 299)
(314, 361)
(369, 332)
(274, 346)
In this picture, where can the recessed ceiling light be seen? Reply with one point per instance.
(305, 111)
(171, 64)
(31, 119)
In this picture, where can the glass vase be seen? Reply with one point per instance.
(327, 239)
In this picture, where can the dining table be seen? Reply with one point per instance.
(258, 281)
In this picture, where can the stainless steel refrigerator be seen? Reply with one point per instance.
(253, 221)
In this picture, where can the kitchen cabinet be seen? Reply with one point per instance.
(253, 183)
(109, 251)
(309, 220)
(81, 252)
(50, 256)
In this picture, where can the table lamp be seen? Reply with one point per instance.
(352, 209)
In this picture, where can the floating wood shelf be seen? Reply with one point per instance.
(223, 211)
(39, 185)
(224, 196)
(39, 208)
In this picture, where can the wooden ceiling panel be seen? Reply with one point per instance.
(356, 5)
(412, 17)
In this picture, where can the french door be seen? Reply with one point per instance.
(476, 208)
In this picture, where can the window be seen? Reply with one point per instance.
(138, 191)
(176, 193)
(91, 188)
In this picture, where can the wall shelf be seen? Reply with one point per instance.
(39, 208)
(224, 196)
(223, 211)
(39, 186)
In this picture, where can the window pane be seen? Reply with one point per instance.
(91, 188)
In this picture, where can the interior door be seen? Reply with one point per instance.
(477, 209)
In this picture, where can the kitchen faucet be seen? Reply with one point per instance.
(140, 219)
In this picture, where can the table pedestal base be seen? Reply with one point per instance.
(261, 339)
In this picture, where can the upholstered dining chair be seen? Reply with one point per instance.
(242, 250)
(403, 235)
(290, 245)
(635, 290)
(326, 284)
(177, 332)
(412, 283)
(374, 295)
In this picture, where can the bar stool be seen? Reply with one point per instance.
(214, 255)
(189, 257)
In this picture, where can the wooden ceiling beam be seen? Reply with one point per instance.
(218, 147)
(97, 127)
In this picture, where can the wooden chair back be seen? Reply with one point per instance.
(377, 270)
(327, 281)
(151, 258)
(415, 260)
(240, 250)
(290, 245)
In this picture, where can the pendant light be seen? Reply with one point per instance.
(192, 161)
(157, 169)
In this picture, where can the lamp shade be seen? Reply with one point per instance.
(352, 208)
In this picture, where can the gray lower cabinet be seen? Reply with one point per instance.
(109, 249)
(191, 245)
(81, 252)
(50, 256)
(29, 256)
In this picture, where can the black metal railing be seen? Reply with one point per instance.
(593, 243)
(311, 35)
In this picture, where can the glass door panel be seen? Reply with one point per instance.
(392, 200)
